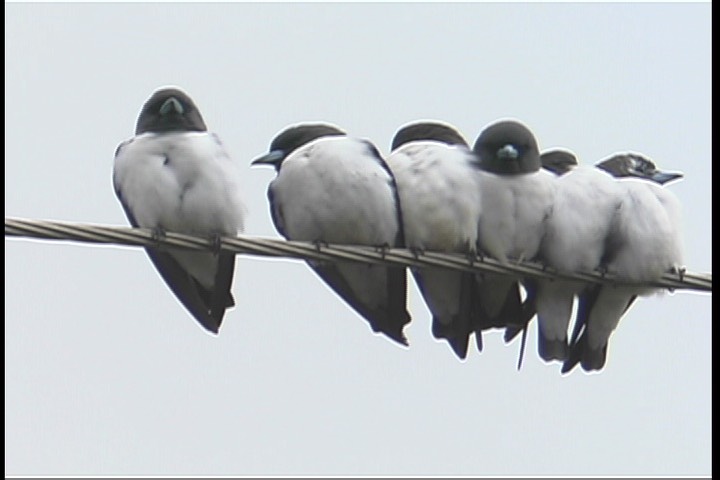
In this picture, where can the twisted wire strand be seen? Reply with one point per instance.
(268, 247)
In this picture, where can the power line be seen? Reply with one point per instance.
(268, 247)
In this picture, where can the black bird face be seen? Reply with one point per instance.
(170, 110)
(508, 148)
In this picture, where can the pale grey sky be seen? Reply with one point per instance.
(105, 373)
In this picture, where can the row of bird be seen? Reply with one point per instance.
(502, 198)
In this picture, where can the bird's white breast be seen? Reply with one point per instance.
(585, 203)
(439, 194)
(333, 189)
(183, 182)
(515, 208)
(647, 227)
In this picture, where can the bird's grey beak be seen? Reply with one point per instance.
(508, 152)
(273, 158)
(664, 177)
(171, 105)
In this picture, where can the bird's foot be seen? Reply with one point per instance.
(382, 249)
(472, 256)
(602, 270)
(679, 271)
(216, 243)
(319, 244)
(158, 235)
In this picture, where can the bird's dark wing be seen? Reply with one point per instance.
(457, 333)
(199, 301)
(276, 213)
(196, 299)
(391, 317)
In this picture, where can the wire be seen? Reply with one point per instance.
(316, 252)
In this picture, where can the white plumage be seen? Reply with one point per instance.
(175, 176)
(644, 243)
(516, 196)
(515, 208)
(438, 184)
(585, 202)
(335, 189)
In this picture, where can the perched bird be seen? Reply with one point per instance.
(174, 175)
(516, 197)
(334, 189)
(559, 162)
(644, 243)
(438, 181)
(585, 202)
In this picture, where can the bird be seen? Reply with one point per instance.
(332, 188)
(586, 200)
(557, 161)
(174, 175)
(516, 197)
(645, 242)
(437, 178)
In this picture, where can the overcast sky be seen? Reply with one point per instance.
(105, 373)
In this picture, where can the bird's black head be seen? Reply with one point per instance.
(169, 110)
(427, 130)
(633, 165)
(507, 147)
(558, 161)
(293, 138)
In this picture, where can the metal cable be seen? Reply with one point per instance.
(267, 247)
